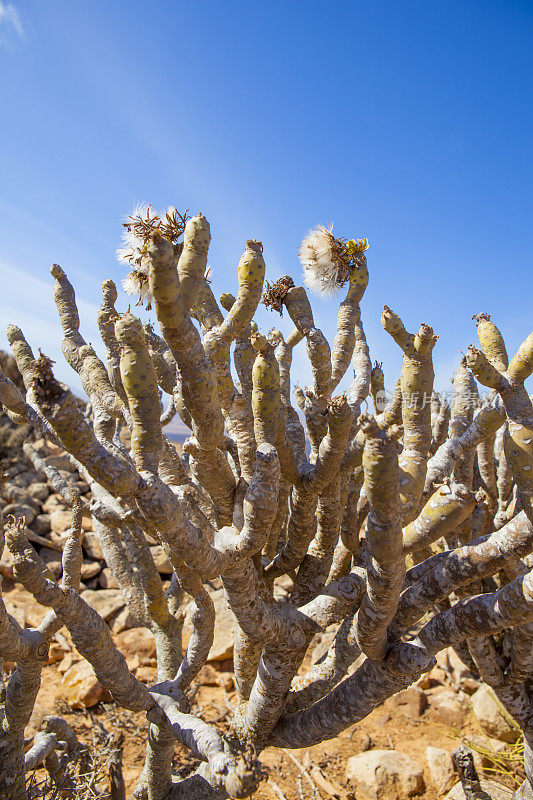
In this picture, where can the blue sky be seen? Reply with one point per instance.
(408, 122)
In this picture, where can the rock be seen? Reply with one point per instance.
(80, 687)
(379, 772)
(136, 642)
(53, 503)
(70, 478)
(321, 643)
(492, 717)
(411, 701)
(146, 674)
(39, 491)
(122, 620)
(424, 681)
(26, 478)
(56, 653)
(366, 743)
(60, 521)
(41, 524)
(440, 766)
(61, 462)
(470, 685)
(225, 628)
(52, 559)
(160, 559)
(449, 708)
(493, 790)
(67, 661)
(15, 494)
(6, 564)
(34, 612)
(442, 658)
(16, 611)
(283, 586)
(91, 545)
(20, 510)
(437, 675)
(90, 569)
(82, 486)
(107, 580)
(208, 676)
(105, 601)
(459, 670)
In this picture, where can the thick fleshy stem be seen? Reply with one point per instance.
(386, 564)
(510, 385)
(417, 387)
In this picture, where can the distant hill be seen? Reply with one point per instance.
(176, 431)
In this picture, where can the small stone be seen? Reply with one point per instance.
(136, 642)
(225, 628)
(91, 545)
(105, 601)
(449, 708)
(39, 491)
(161, 561)
(411, 701)
(52, 559)
(146, 674)
(424, 681)
(41, 524)
(80, 687)
(107, 580)
(55, 653)
(60, 520)
(16, 611)
(208, 676)
(437, 676)
(459, 670)
(60, 462)
(385, 772)
(492, 716)
(226, 680)
(15, 494)
(7, 563)
(90, 569)
(67, 661)
(440, 766)
(366, 743)
(470, 685)
(54, 503)
(122, 620)
(33, 611)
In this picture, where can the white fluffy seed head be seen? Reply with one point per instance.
(132, 253)
(323, 268)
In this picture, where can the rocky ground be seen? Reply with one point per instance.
(402, 750)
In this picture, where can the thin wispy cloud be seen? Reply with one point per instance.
(11, 27)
